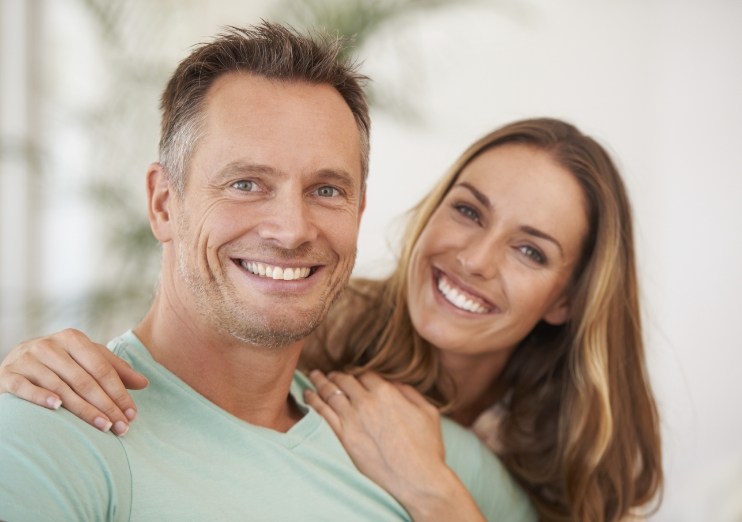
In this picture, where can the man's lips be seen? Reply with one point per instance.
(276, 272)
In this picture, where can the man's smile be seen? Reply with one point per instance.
(285, 273)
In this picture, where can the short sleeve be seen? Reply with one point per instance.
(53, 466)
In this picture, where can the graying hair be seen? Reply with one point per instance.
(268, 50)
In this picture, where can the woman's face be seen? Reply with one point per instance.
(497, 255)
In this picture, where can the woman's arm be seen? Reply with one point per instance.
(394, 437)
(67, 368)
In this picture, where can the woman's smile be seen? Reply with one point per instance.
(461, 298)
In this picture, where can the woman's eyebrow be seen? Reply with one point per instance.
(484, 200)
(543, 235)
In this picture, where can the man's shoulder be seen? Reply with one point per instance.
(24, 422)
(53, 465)
(299, 384)
(496, 492)
(128, 346)
(465, 453)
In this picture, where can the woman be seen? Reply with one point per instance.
(514, 307)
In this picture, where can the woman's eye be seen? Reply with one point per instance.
(327, 192)
(534, 254)
(244, 184)
(468, 212)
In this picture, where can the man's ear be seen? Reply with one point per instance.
(362, 207)
(160, 197)
(559, 312)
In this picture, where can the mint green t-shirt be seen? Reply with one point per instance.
(187, 459)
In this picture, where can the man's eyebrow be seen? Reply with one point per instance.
(531, 231)
(243, 168)
(339, 176)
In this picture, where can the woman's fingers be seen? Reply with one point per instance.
(320, 406)
(330, 392)
(19, 386)
(49, 390)
(104, 382)
(390, 431)
(76, 381)
(416, 398)
(373, 381)
(349, 384)
(84, 375)
(89, 387)
(94, 406)
(130, 378)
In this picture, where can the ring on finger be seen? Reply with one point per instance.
(332, 394)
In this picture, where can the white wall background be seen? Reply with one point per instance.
(659, 82)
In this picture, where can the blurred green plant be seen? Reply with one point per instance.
(360, 22)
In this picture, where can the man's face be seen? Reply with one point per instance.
(266, 230)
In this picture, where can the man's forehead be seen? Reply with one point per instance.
(282, 125)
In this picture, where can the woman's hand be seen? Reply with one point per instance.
(393, 435)
(69, 369)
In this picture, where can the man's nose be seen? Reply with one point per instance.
(288, 223)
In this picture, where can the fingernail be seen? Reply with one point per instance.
(120, 428)
(131, 414)
(53, 402)
(102, 424)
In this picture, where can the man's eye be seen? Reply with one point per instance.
(244, 184)
(327, 192)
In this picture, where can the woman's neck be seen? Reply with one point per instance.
(477, 383)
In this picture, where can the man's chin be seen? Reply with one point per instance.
(277, 334)
(270, 340)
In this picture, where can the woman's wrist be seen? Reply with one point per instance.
(443, 497)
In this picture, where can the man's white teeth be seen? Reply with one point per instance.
(276, 272)
(458, 299)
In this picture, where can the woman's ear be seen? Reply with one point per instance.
(159, 198)
(559, 312)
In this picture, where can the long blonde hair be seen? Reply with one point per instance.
(582, 431)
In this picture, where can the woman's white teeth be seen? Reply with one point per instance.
(458, 299)
(276, 272)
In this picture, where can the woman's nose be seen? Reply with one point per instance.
(481, 257)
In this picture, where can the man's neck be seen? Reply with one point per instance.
(250, 382)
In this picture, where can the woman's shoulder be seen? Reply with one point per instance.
(487, 426)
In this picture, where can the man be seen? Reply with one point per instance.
(257, 201)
